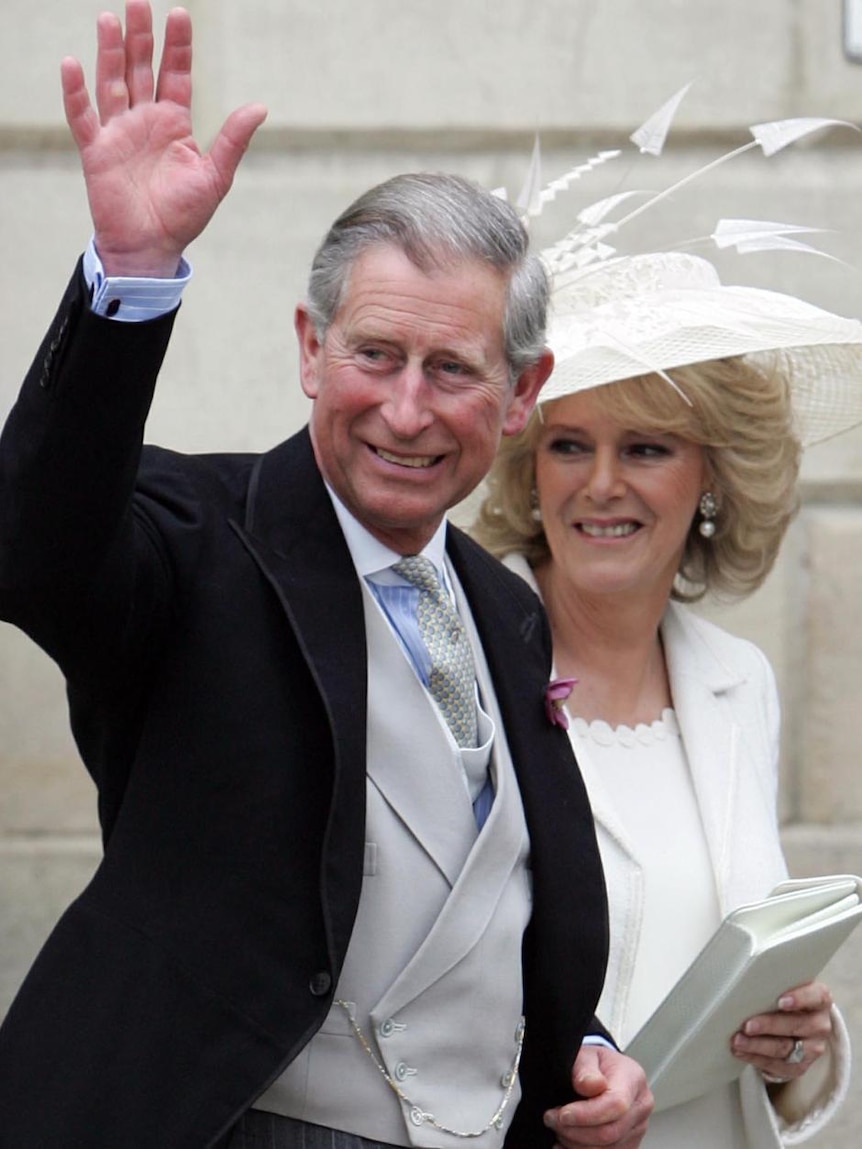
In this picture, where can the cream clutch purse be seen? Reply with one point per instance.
(758, 951)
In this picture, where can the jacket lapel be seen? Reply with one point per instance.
(701, 687)
(293, 533)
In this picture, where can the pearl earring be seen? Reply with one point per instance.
(707, 507)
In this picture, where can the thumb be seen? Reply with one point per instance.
(588, 1079)
(591, 1082)
(231, 143)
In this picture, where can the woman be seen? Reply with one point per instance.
(660, 465)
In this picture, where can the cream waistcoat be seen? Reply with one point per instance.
(433, 971)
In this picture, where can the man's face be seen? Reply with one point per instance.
(411, 391)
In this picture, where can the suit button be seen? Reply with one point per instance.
(320, 983)
(403, 1071)
(387, 1027)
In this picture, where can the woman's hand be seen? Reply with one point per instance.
(784, 1044)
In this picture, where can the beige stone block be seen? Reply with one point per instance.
(473, 65)
(44, 225)
(465, 64)
(835, 465)
(35, 39)
(831, 780)
(763, 618)
(829, 81)
(37, 881)
(811, 851)
(43, 785)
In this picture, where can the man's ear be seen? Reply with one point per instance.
(310, 351)
(526, 391)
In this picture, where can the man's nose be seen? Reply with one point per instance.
(407, 409)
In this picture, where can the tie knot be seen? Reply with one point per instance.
(418, 571)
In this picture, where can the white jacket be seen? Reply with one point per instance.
(726, 704)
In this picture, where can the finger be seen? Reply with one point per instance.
(619, 1130)
(175, 69)
(80, 114)
(112, 95)
(590, 1112)
(767, 1046)
(814, 1023)
(771, 1053)
(139, 52)
(231, 143)
(812, 996)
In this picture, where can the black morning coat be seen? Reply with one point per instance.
(207, 617)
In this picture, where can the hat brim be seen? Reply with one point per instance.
(662, 329)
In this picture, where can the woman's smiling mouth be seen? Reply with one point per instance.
(608, 530)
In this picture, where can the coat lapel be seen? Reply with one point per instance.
(702, 687)
(293, 533)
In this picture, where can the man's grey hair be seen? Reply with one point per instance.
(438, 220)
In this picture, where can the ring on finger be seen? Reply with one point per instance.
(771, 1079)
(797, 1053)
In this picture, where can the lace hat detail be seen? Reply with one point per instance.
(641, 314)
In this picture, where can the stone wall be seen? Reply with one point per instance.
(358, 92)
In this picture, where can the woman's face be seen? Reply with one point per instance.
(617, 503)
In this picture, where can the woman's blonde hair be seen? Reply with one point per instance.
(740, 412)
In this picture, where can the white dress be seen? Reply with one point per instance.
(646, 770)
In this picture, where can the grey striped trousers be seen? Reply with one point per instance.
(259, 1130)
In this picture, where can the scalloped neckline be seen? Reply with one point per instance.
(643, 734)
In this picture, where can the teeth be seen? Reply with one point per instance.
(617, 531)
(407, 460)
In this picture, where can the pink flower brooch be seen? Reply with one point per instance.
(556, 695)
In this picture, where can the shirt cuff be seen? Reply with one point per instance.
(132, 299)
(597, 1039)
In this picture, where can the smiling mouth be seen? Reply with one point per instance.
(414, 462)
(611, 531)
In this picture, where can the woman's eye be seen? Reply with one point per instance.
(567, 447)
(648, 450)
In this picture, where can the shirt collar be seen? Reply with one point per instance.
(371, 557)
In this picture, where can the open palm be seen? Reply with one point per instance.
(151, 189)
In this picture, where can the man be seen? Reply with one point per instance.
(324, 904)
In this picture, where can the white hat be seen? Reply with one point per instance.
(616, 316)
(642, 314)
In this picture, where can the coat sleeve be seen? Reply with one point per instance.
(801, 1110)
(69, 456)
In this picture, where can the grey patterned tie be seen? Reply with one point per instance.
(453, 675)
